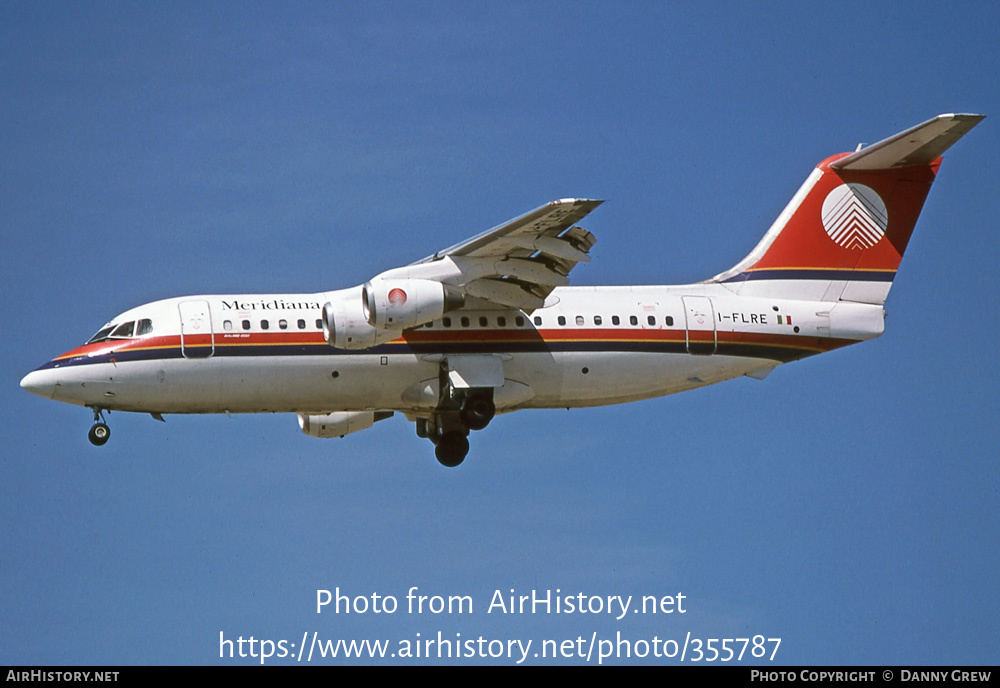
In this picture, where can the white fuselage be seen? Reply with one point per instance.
(588, 346)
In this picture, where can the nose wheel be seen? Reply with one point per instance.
(99, 433)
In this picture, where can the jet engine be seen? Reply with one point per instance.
(345, 325)
(340, 423)
(397, 304)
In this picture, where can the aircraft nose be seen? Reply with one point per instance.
(40, 382)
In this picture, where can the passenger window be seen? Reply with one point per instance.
(124, 330)
(562, 320)
(501, 321)
(227, 325)
(670, 320)
(246, 324)
(145, 326)
(634, 320)
(429, 325)
(579, 320)
(446, 322)
(283, 324)
(615, 320)
(319, 324)
(519, 321)
(597, 320)
(301, 324)
(264, 324)
(651, 319)
(465, 321)
(483, 322)
(538, 320)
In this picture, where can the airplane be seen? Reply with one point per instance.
(491, 325)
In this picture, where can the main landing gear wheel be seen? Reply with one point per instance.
(477, 412)
(99, 434)
(451, 449)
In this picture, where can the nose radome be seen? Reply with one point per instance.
(40, 382)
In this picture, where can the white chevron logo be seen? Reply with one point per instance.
(854, 216)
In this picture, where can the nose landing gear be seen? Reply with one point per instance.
(99, 433)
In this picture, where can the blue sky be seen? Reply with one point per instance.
(846, 504)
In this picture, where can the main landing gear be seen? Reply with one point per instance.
(457, 414)
(99, 433)
(451, 449)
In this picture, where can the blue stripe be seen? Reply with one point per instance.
(778, 353)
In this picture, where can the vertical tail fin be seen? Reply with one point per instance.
(843, 234)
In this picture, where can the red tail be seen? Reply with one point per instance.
(844, 233)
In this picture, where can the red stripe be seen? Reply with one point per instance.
(498, 337)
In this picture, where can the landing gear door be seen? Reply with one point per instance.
(468, 371)
(197, 338)
(700, 320)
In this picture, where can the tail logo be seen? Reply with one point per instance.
(854, 216)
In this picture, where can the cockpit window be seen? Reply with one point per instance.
(127, 330)
(101, 335)
(123, 331)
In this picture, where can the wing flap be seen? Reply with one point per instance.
(508, 293)
(516, 264)
(548, 221)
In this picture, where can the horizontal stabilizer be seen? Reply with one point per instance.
(919, 145)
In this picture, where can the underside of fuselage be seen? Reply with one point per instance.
(285, 384)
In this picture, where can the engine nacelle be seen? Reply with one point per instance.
(340, 423)
(397, 304)
(345, 325)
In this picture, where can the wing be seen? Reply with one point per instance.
(516, 264)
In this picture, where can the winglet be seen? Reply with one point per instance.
(919, 145)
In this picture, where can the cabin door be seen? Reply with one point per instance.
(699, 317)
(197, 338)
